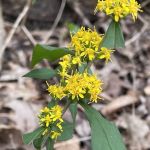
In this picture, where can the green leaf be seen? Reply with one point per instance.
(29, 137)
(73, 110)
(43, 73)
(34, 1)
(50, 144)
(67, 131)
(83, 67)
(50, 53)
(38, 143)
(73, 28)
(52, 103)
(105, 135)
(113, 37)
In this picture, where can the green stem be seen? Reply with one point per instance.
(66, 107)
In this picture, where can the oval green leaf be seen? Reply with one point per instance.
(113, 37)
(29, 137)
(50, 144)
(50, 53)
(67, 131)
(73, 110)
(43, 73)
(73, 28)
(105, 135)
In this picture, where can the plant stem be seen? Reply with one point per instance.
(66, 107)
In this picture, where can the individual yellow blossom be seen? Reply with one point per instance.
(134, 7)
(65, 64)
(119, 8)
(45, 110)
(105, 54)
(85, 43)
(89, 52)
(56, 113)
(59, 126)
(65, 61)
(51, 118)
(76, 60)
(45, 131)
(55, 134)
(56, 91)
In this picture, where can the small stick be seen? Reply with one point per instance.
(13, 30)
(29, 35)
(56, 21)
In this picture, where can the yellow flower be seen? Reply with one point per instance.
(45, 110)
(105, 54)
(45, 131)
(75, 86)
(56, 91)
(55, 134)
(80, 84)
(56, 113)
(65, 64)
(119, 8)
(76, 60)
(51, 118)
(94, 87)
(85, 43)
(89, 52)
(134, 7)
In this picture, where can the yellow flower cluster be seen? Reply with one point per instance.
(119, 8)
(51, 118)
(57, 91)
(86, 44)
(79, 86)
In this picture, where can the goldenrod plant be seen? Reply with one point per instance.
(78, 85)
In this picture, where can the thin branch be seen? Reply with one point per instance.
(29, 35)
(13, 30)
(56, 21)
(137, 36)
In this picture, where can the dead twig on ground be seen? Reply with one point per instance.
(13, 30)
(119, 103)
(138, 35)
(76, 7)
(63, 4)
(29, 35)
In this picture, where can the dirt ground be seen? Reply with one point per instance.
(126, 94)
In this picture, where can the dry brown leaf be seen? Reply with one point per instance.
(120, 102)
(139, 131)
(24, 114)
(72, 144)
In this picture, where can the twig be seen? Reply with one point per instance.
(29, 4)
(119, 103)
(13, 30)
(145, 3)
(77, 9)
(55, 22)
(136, 36)
(29, 35)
